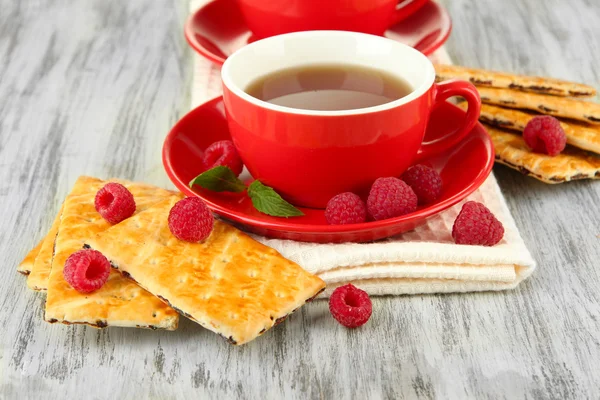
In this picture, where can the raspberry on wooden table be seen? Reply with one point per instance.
(350, 306)
(425, 182)
(190, 220)
(389, 198)
(543, 134)
(476, 225)
(223, 153)
(114, 202)
(345, 208)
(86, 270)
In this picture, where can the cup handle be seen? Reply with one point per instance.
(443, 91)
(406, 8)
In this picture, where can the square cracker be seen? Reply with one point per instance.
(40, 270)
(120, 302)
(229, 284)
(579, 134)
(571, 164)
(27, 263)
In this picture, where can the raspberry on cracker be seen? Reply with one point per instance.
(86, 270)
(389, 198)
(190, 220)
(114, 202)
(346, 208)
(476, 225)
(544, 134)
(223, 153)
(350, 306)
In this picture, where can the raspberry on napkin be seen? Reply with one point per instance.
(229, 283)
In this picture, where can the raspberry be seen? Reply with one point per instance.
(190, 220)
(350, 306)
(425, 182)
(114, 202)
(389, 198)
(543, 134)
(86, 270)
(345, 208)
(476, 225)
(223, 153)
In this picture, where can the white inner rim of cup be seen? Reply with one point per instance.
(327, 47)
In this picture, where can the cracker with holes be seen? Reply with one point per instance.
(40, 270)
(585, 111)
(584, 136)
(27, 263)
(571, 164)
(481, 77)
(120, 302)
(229, 284)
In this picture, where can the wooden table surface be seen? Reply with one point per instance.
(92, 87)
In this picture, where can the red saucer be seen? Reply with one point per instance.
(217, 29)
(463, 170)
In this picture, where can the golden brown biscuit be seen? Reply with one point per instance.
(27, 263)
(584, 136)
(571, 164)
(551, 105)
(229, 284)
(38, 278)
(481, 77)
(120, 302)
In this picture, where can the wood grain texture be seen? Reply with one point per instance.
(92, 87)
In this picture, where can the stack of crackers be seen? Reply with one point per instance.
(229, 284)
(511, 101)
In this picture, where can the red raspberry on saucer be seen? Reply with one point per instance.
(345, 208)
(114, 202)
(190, 220)
(389, 198)
(425, 182)
(86, 270)
(223, 153)
(350, 306)
(476, 225)
(543, 134)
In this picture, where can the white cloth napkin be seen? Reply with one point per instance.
(425, 260)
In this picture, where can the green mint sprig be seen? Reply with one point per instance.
(264, 199)
(219, 179)
(267, 201)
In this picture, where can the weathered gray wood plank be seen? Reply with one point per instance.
(93, 87)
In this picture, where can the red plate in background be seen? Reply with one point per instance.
(217, 29)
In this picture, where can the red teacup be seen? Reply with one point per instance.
(309, 156)
(275, 17)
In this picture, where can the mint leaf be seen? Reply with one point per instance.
(219, 179)
(267, 201)
(264, 198)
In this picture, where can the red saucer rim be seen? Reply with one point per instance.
(439, 43)
(189, 35)
(288, 224)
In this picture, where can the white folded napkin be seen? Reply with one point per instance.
(425, 260)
